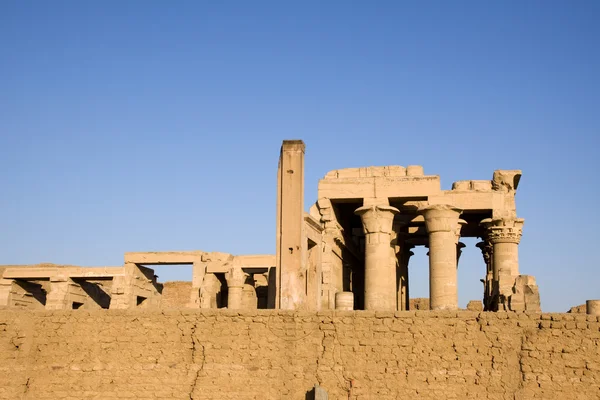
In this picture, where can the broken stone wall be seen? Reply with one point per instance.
(270, 354)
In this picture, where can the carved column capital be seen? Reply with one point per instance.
(505, 230)
(441, 218)
(236, 277)
(377, 219)
(486, 250)
(458, 228)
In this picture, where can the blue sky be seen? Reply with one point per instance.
(147, 125)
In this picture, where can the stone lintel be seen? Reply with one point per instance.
(379, 187)
(163, 257)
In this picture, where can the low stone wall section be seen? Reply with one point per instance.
(271, 354)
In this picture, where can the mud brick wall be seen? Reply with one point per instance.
(268, 354)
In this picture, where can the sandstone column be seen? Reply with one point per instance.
(441, 222)
(380, 264)
(235, 286)
(198, 272)
(504, 235)
(592, 307)
(291, 270)
(488, 282)
(404, 255)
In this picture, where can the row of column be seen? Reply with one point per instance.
(443, 226)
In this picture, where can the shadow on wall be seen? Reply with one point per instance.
(316, 393)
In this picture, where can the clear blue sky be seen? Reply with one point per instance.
(147, 125)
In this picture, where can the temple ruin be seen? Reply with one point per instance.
(327, 316)
(351, 250)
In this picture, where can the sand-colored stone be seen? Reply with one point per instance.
(475, 305)
(380, 291)
(419, 304)
(592, 307)
(275, 354)
(290, 249)
(525, 295)
(356, 238)
(441, 222)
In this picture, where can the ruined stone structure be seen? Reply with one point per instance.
(359, 234)
(354, 246)
(328, 316)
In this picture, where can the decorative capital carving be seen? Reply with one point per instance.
(458, 228)
(236, 277)
(377, 219)
(441, 218)
(486, 250)
(504, 230)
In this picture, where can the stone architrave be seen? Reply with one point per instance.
(441, 221)
(504, 235)
(236, 278)
(380, 264)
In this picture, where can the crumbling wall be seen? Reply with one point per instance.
(270, 354)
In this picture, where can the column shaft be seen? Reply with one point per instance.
(505, 235)
(443, 291)
(506, 265)
(234, 297)
(235, 286)
(441, 222)
(380, 259)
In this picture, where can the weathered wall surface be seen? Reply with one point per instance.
(175, 294)
(268, 354)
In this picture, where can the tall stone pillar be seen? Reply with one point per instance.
(441, 221)
(380, 259)
(236, 278)
(504, 235)
(198, 272)
(291, 241)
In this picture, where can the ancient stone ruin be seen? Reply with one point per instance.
(328, 316)
(351, 251)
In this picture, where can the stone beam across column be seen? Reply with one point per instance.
(380, 259)
(441, 221)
